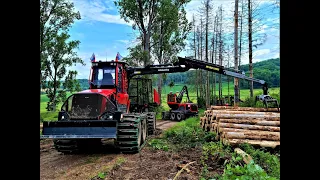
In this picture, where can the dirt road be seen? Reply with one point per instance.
(55, 165)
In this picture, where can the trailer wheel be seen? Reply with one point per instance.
(180, 116)
(172, 116)
(163, 116)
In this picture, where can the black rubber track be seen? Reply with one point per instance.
(151, 118)
(129, 131)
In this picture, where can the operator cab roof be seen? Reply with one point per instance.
(108, 63)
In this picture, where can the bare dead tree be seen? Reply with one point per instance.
(201, 56)
(215, 50)
(250, 46)
(236, 80)
(207, 11)
(220, 49)
(213, 61)
(195, 51)
(240, 43)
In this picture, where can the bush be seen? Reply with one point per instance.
(201, 102)
(276, 96)
(188, 134)
(159, 110)
(159, 144)
(269, 162)
(214, 156)
(251, 102)
(248, 171)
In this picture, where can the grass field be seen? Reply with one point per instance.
(165, 90)
(244, 93)
(44, 114)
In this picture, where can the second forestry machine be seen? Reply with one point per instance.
(118, 106)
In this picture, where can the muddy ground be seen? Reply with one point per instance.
(148, 164)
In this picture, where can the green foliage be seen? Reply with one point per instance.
(60, 56)
(159, 144)
(276, 96)
(201, 102)
(188, 134)
(247, 172)
(159, 110)
(251, 102)
(269, 162)
(102, 175)
(136, 55)
(171, 84)
(268, 70)
(56, 49)
(56, 16)
(170, 31)
(214, 155)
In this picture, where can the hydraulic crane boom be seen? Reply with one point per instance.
(184, 90)
(185, 64)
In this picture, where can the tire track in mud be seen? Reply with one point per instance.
(56, 165)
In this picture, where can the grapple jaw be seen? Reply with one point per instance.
(268, 101)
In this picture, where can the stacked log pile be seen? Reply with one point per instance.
(256, 126)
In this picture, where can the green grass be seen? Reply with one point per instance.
(44, 114)
(193, 93)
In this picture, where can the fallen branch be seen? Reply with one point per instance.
(245, 157)
(184, 167)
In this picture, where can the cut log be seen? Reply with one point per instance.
(233, 142)
(251, 121)
(221, 130)
(272, 136)
(245, 157)
(232, 130)
(243, 112)
(246, 108)
(248, 116)
(251, 127)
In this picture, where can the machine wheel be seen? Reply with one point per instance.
(180, 116)
(163, 115)
(131, 132)
(151, 123)
(172, 116)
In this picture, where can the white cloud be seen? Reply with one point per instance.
(260, 52)
(96, 10)
(123, 41)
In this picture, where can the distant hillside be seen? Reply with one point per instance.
(268, 70)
